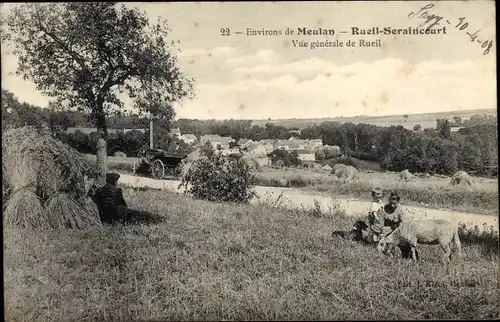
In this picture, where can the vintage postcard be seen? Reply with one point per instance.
(333, 160)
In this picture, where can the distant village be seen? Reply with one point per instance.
(257, 150)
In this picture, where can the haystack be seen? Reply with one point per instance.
(44, 182)
(327, 168)
(461, 178)
(345, 173)
(316, 166)
(338, 166)
(406, 175)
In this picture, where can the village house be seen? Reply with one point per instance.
(455, 128)
(216, 140)
(287, 145)
(305, 155)
(175, 132)
(255, 148)
(269, 145)
(261, 159)
(188, 138)
(244, 143)
(313, 144)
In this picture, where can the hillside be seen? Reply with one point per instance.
(426, 120)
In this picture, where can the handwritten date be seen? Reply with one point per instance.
(433, 20)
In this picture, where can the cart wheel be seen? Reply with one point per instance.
(158, 169)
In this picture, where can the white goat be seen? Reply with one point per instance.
(427, 231)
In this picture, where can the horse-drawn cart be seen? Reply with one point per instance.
(159, 163)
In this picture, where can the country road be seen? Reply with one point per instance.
(296, 197)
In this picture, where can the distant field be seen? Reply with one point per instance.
(425, 120)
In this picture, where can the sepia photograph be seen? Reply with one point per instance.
(274, 161)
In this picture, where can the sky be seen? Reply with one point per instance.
(261, 77)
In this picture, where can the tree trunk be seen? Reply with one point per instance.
(101, 164)
(151, 129)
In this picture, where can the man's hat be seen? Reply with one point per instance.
(377, 191)
(112, 177)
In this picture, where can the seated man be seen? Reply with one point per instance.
(112, 205)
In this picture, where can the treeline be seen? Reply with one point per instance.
(472, 149)
(129, 143)
(16, 114)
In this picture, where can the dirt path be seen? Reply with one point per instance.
(295, 197)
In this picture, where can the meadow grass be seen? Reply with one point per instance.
(211, 261)
(428, 192)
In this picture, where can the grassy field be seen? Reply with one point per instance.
(221, 261)
(430, 192)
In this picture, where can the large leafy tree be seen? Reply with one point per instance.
(84, 55)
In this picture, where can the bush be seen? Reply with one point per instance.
(219, 178)
(342, 160)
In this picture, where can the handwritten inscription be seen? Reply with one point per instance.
(432, 20)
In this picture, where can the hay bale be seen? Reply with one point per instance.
(120, 154)
(461, 178)
(43, 177)
(32, 157)
(346, 173)
(24, 209)
(316, 166)
(337, 167)
(406, 175)
(62, 211)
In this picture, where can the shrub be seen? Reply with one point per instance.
(219, 178)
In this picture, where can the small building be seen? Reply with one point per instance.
(188, 138)
(306, 155)
(256, 148)
(175, 132)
